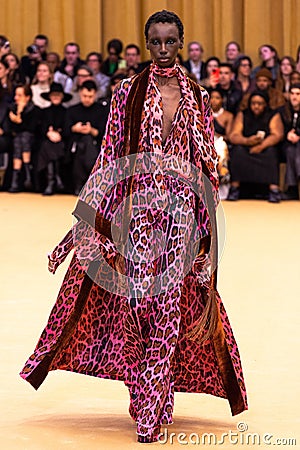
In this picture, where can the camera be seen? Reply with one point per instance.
(32, 49)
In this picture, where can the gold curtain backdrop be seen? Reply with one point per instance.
(92, 23)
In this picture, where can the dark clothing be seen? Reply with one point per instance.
(24, 132)
(85, 148)
(187, 65)
(109, 68)
(218, 128)
(291, 152)
(61, 68)
(28, 66)
(55, 117)
(255, 168)
(5, 138)
(231, 97)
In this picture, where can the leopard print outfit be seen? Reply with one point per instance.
(138, 333)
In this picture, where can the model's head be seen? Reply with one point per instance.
(164, 37)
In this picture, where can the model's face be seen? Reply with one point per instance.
(263, 83)
(286, 67)
(232, 52)
(43, 73)
(257, 105)
(216, 101)
(295, 98)
(164, 42)
(245, 68)
(266, 54)
(87, 97)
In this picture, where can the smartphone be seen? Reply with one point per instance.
(122, 64)
(216, 74)
(261, 134)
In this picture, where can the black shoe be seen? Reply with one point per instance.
(234, 193)
(49, 189)
(15, 187)
(290, 194)
(274, 196)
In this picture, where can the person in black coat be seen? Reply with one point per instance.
(85, 126)
(52, 145)
(24, 118)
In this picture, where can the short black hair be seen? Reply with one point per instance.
(97, 54)
(294, 86)
(164, 16)
(90, 85)
(42, 36)
(116, 44)
(223, 64)
(136, 47)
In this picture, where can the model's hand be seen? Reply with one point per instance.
(255, 149)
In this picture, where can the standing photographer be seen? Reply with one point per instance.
(37, 52)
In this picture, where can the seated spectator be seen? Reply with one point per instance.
(254, 155)
(53, 61)
(231, 95)
(298, 59)
(232, 52)
(69, 66)
(270, 60)
(295, 77)
(23, 117)
(132, 57)
(264, 83)
(6, 87)
(4, 46)
(212, 73)
(5, 139)
(194, 63)
(15, 74)
(36, 53)
(94, 62)
(290, 115)
(52, 144)
(114, 61)
(242, 69)
(41, 83)
(85, 126)
(84, 73)
(287, 66)
(222, 125)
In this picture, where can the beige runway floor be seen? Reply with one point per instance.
(259, 279)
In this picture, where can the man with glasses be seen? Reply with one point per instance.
(94, 62)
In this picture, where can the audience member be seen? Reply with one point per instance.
(295, 77)
(194, 63)
(15, 74)
(6, 87)
(264, 84)
(212, 73)
(114, 60)
(254, 155)
(298, 59)
(231, 95)
(4, 46)
(232, 51)
(23, 117)
(94, 62)
(5, 140)
(290, 115)
(85, 125)
(84, 73)
(53, 60)
(270, 60)
(69, 66)
(40, 84)
(36, 53)
(52, 144)
(222, 125)
(242, 69)
(287, 66)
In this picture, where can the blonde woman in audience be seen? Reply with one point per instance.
(41, 84)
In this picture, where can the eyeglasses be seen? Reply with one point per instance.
(71, 53)
(245, 65)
